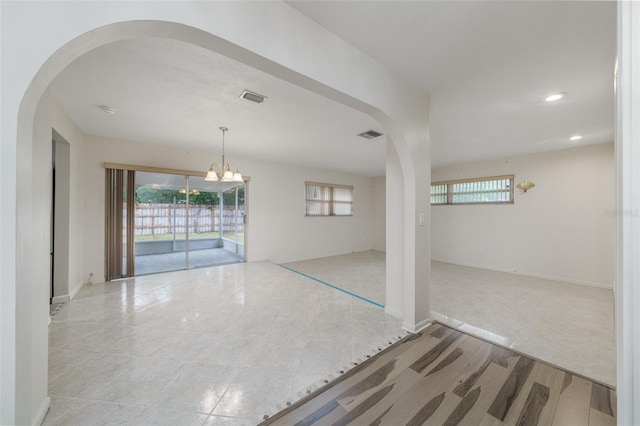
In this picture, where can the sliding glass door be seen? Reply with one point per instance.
(234, 219)
(204, 224)
(160, 222)
(172, 221)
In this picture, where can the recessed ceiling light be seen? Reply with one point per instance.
(575, 138)
(555, 97)
(106, 109)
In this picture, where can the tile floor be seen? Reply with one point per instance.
(445, 377)
(164, 262)
(221, 345)
(568, 325)
(227, 344)
(362, 273)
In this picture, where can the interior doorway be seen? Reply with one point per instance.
(60, 213)
(53, 222)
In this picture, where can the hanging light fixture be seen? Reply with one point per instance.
(225, 175)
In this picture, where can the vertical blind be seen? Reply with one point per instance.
(119, 217)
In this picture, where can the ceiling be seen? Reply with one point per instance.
(176, 94)
(487, 65)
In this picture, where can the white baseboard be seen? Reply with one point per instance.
(67, 297)
(393, 312)
(416, 328)
(60, 299)
(76, 289)
(532, 275)
(42, 412)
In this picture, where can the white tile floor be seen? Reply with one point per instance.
(221, 345)
(362, 273)
(225, 345)
(568, 325)
(164, 262)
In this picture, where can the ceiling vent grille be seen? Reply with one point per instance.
(252, 96)
(370, 134)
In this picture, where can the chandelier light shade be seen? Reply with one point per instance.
(212, 176)
(225, 174)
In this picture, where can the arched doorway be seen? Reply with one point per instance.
(24, 361)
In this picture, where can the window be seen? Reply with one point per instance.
(489, 190)
(324, 199)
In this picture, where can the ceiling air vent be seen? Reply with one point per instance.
(370, 134)
(252, 96)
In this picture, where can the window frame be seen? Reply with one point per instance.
(449, 193)
(331, 200)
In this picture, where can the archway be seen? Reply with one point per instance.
(25, 328)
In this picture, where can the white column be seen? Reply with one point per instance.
(417, 297)
(628, 203)
(394, 234)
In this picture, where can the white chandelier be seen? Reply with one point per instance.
(225, 175)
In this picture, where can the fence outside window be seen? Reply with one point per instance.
(163, 220)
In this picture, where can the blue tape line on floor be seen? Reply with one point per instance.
(364, 299)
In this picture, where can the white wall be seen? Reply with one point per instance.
(31, 371)
(562, 229)
(277, 228)
(379, 213)
(31, 377)
(62, 123)
(39, 39)
(393, 226)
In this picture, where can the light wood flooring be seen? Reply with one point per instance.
(444, 377)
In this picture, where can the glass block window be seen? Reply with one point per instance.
(489, 190)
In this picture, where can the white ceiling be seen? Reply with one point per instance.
(487, 65)
(173, 93)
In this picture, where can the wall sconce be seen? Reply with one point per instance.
(525, 185)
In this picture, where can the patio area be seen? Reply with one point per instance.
(164, 262)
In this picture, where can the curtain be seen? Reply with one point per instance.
(119, 218)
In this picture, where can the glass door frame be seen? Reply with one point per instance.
(236, 191)
(187, 174)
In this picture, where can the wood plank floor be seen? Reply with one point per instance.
(444, 377)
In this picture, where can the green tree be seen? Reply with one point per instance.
(153, 195)
(205, 199)
(146, 195)
(230, 198)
